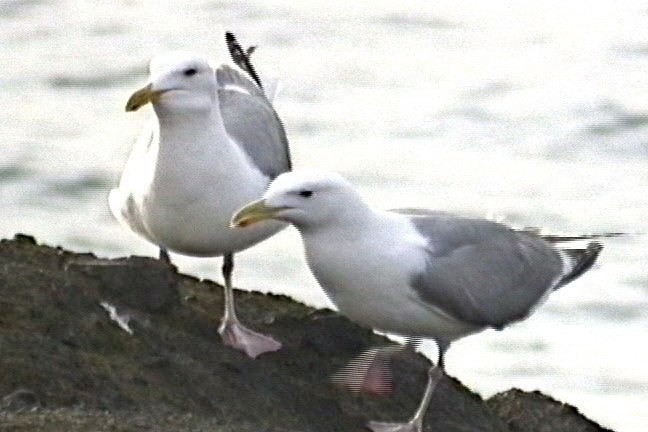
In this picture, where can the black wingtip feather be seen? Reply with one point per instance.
(584, 259)
(241, 57)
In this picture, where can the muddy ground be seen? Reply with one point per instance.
(66, 366)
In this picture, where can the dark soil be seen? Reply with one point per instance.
(66, 366)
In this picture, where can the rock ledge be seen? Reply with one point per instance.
(66, 366)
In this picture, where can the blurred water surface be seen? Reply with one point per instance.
(537, 112)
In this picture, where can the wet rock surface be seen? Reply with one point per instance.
(65, 365)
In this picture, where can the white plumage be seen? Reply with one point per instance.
(214, 144)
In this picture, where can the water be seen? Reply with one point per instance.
(534, 112)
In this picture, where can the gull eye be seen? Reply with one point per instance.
(305, 193)
(190, 72)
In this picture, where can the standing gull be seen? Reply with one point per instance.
(420, 274)
(215, 143)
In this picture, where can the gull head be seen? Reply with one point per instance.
(306, 198)
(178, 81)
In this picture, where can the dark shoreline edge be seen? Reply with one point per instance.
(66, 366)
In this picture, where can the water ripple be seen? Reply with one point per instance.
(13, 172)
(102, 80)
(14, 8)
(87, 183)
(619, 312)
(400, 21)
(617, 119)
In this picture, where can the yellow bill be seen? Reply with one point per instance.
(141, 97)
(253, 213)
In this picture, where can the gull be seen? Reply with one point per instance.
(416, 273)
(214, 144)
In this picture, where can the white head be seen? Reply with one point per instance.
(306, 198)
(178, 81)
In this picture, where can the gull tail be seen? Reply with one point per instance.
(581, 260)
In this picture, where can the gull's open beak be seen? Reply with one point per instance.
(141, 97)
(252, 213)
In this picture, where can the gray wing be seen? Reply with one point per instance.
(530, 230)
(562, 238)
(482, 272)
(227, 75)
(252, 122)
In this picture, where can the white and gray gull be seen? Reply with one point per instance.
(420, 274)
(214, 144)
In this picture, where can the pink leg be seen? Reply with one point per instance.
(370, 372)
(415, 424)
(235, 334)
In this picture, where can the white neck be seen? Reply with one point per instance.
(195, 144)
(353, 224)
(190, 127)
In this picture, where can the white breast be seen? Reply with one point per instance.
(367, 276)
(186, 191)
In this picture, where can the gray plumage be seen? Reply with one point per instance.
(484, 273)
(252, 122)
(227, 75)
(417, 273)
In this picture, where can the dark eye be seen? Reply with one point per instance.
(190, 72)
(305, 193)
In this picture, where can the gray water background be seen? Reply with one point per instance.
(536, 112)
